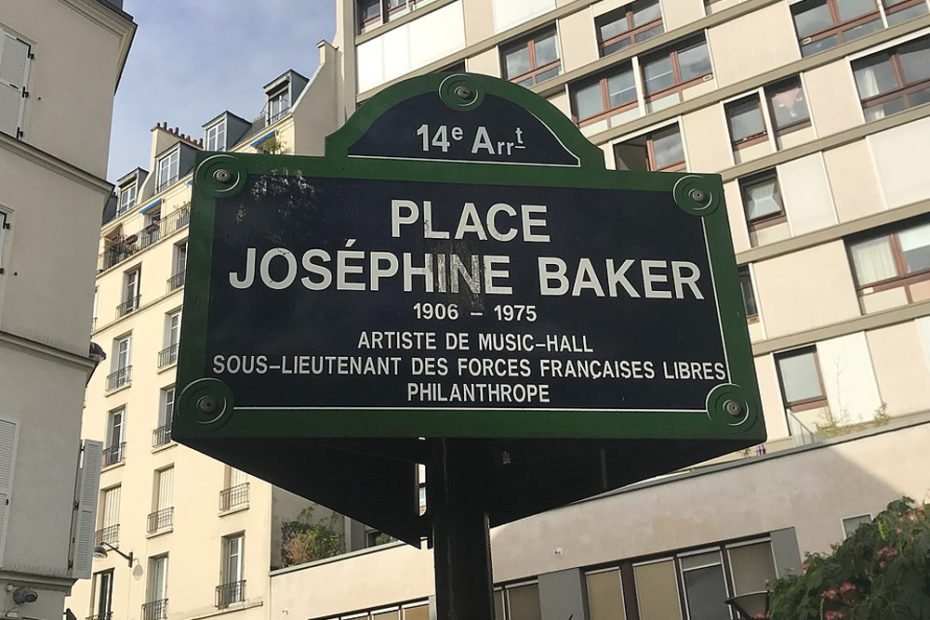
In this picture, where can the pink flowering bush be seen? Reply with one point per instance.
(881, 572)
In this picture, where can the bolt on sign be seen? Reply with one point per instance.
(461, 264)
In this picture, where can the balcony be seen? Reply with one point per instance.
(128, 306)
(177, 280)
(164, 184)
(108, 534)
(161, 436)
(118, 379)
(234, 497)
(168, 356)
(114, 454)
(161, 520)
(104, 616)
(155, 610)
(229, 593)
(119, 249)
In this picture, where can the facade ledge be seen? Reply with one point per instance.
(409, 17)
(173, 364)
(59, 166)
(231, 511)
(338, 558)
(107, 468)
(160, 532)
(233, 608)
(33, 346)
(125, 386)
(164, 447)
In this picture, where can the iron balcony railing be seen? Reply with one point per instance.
(104, 616)
(108, 534)
(168, 356)
(119, 378)
(155, 610)
(229, 593)
(177, 280)
(274, 118)
(119, 249)
(161, 520)
(114, 454)
(161, 436)
(234, 497)
(128, 306)
(166, 183)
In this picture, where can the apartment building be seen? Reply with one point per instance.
(184, 535)
(814, 113)
(54, 146)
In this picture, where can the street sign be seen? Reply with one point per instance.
(461, 264)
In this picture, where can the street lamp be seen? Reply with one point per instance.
(751, 605)
(100, 551)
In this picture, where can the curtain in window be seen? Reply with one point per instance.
(873, 260)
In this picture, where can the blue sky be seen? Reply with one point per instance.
(193, 59)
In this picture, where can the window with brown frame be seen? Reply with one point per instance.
(787, 106)
(894, 79)
(745, 122)
(676, 68)
(899, 11)
(605, 95)
(762, 200)
(800, 379)
(532, 60)
(822, 24)
(787, 111)
(895, 256)
(749, 294)
(628, 24)
(657, 151)
(368, 13)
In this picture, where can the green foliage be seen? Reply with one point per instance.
(880, 572)
(305, 540)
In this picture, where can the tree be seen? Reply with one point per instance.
(881, 571)
(305, 540)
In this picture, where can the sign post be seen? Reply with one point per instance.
(459, 283)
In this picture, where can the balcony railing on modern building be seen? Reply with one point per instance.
(114, 454)
(128, 306)
(229, 593)
(119, 249)
(234, 497)
(168, 356)
(161, 520)
(155, 610)
(108, 534)
(108, 615)
(161, 436)
(177, 280)
(119, 378)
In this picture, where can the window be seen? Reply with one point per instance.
(169, 355)
(122, 368)
(606, 95)
(657, 589)
(279, 103)
(167, 170)
(629, 24)
(745, 122)
(532, 60)
(232, 588)
(705, 586)
(216, 137)
(799, 377)
(605, 595)
(851, 524)
(235, 492)
(161, 518)
(672, 70)
(775, 110)
(131, 283)
(102, 602)
(152, 231)
(178, 267)
(116, 444)
(4, 226)
(822, 24)
(749, 295)
(157, 589)
(15, 55)
(517, 602)
(899, 11)
(408, 611)
(660, 150)
(752, 567)
(162, 434)
(787, 105)
(369, 13)
(896, 256)
(108, 532)
(127, 198)
(762, 199)
(895, 79)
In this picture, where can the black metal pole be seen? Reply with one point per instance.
(461, 544)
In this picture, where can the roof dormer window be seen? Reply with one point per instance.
(167, 169)
(127, 198)
(215, 140)
(279, 103)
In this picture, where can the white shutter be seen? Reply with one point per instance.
(87, 510)
(165, 488)
(14, 55)
(8, 436)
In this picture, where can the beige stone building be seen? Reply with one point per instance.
(815, 115)
(54, 143)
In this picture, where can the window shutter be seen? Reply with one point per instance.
(14, 55)
(87, 510)
(8, 436)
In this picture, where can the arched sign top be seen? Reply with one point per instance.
(463, 118)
